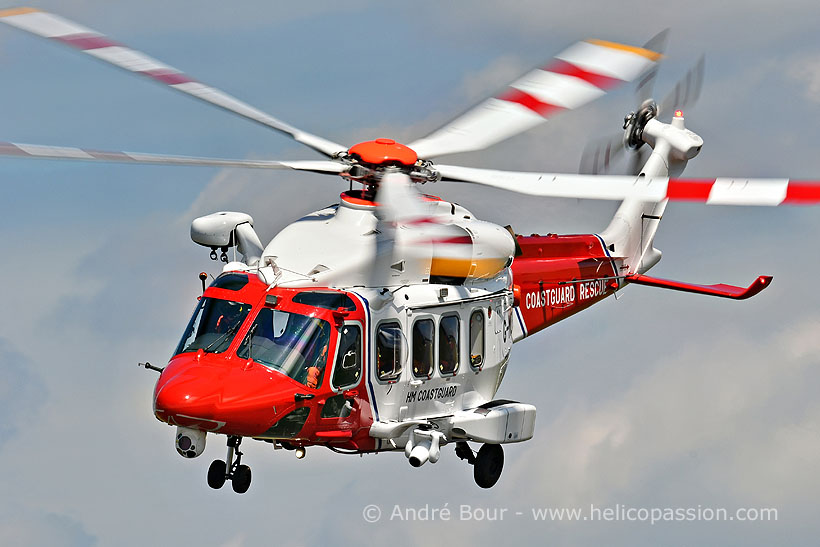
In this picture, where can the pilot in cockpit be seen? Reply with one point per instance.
(316, 366)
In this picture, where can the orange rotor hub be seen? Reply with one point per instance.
(383, 151)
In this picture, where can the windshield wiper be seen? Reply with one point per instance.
(250, 340)
(221, 339)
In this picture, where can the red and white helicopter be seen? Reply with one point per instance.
(386, 321)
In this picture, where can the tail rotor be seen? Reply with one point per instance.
(600, 155)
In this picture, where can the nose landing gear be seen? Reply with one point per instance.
(237, 473)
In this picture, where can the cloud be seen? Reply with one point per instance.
(806, 71)
(33, 528)
(721, 402)
(22, 393)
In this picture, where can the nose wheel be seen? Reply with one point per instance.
(238, 473)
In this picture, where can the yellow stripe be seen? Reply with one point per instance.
(649, 54)
(460, 267)
(16, 11)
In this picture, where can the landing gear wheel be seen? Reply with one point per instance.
(488, 465)
(241, 480)
(217, 473)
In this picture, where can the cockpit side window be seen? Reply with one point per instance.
(388, 351)
(213, 326)
(349, 357)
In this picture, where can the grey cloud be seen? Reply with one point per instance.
(22, 393)
(806, 71)
(34, 528)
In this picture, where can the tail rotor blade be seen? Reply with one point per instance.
(598, 156)
(646, 85)
(686, 91)
(637, 159)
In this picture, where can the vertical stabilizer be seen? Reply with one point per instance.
(631, 233)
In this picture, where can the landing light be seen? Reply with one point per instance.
(300, 453)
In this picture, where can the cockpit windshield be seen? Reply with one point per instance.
(213, 325)
(293, 344)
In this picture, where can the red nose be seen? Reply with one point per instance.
(214, 394)
(192, 392)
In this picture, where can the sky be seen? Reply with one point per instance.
(654, 400)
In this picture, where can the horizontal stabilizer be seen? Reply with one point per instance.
(724, 291)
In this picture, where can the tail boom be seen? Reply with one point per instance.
(558, 276)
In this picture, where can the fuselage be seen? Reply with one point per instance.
(298, 363)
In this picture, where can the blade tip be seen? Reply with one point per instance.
(17, 11)
(643, 52)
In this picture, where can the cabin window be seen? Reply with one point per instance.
(477, 339)
(448, 341)
(423, 331)
(348, 358)
(388, 351)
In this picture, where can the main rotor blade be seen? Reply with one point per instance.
(576, 76)
(97, 45)
(71, 153)
(718, 191)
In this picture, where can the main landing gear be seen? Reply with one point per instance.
(487, 464)
(238, 474)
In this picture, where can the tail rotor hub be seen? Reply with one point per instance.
(634, 123)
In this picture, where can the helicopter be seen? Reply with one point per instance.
(386, 322)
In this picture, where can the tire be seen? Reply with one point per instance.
(241, 479)
(488, 465)
(216, 474)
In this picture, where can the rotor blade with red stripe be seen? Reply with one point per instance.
(717, 191)
(97, 45)
(576, 76)
(71, 153)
